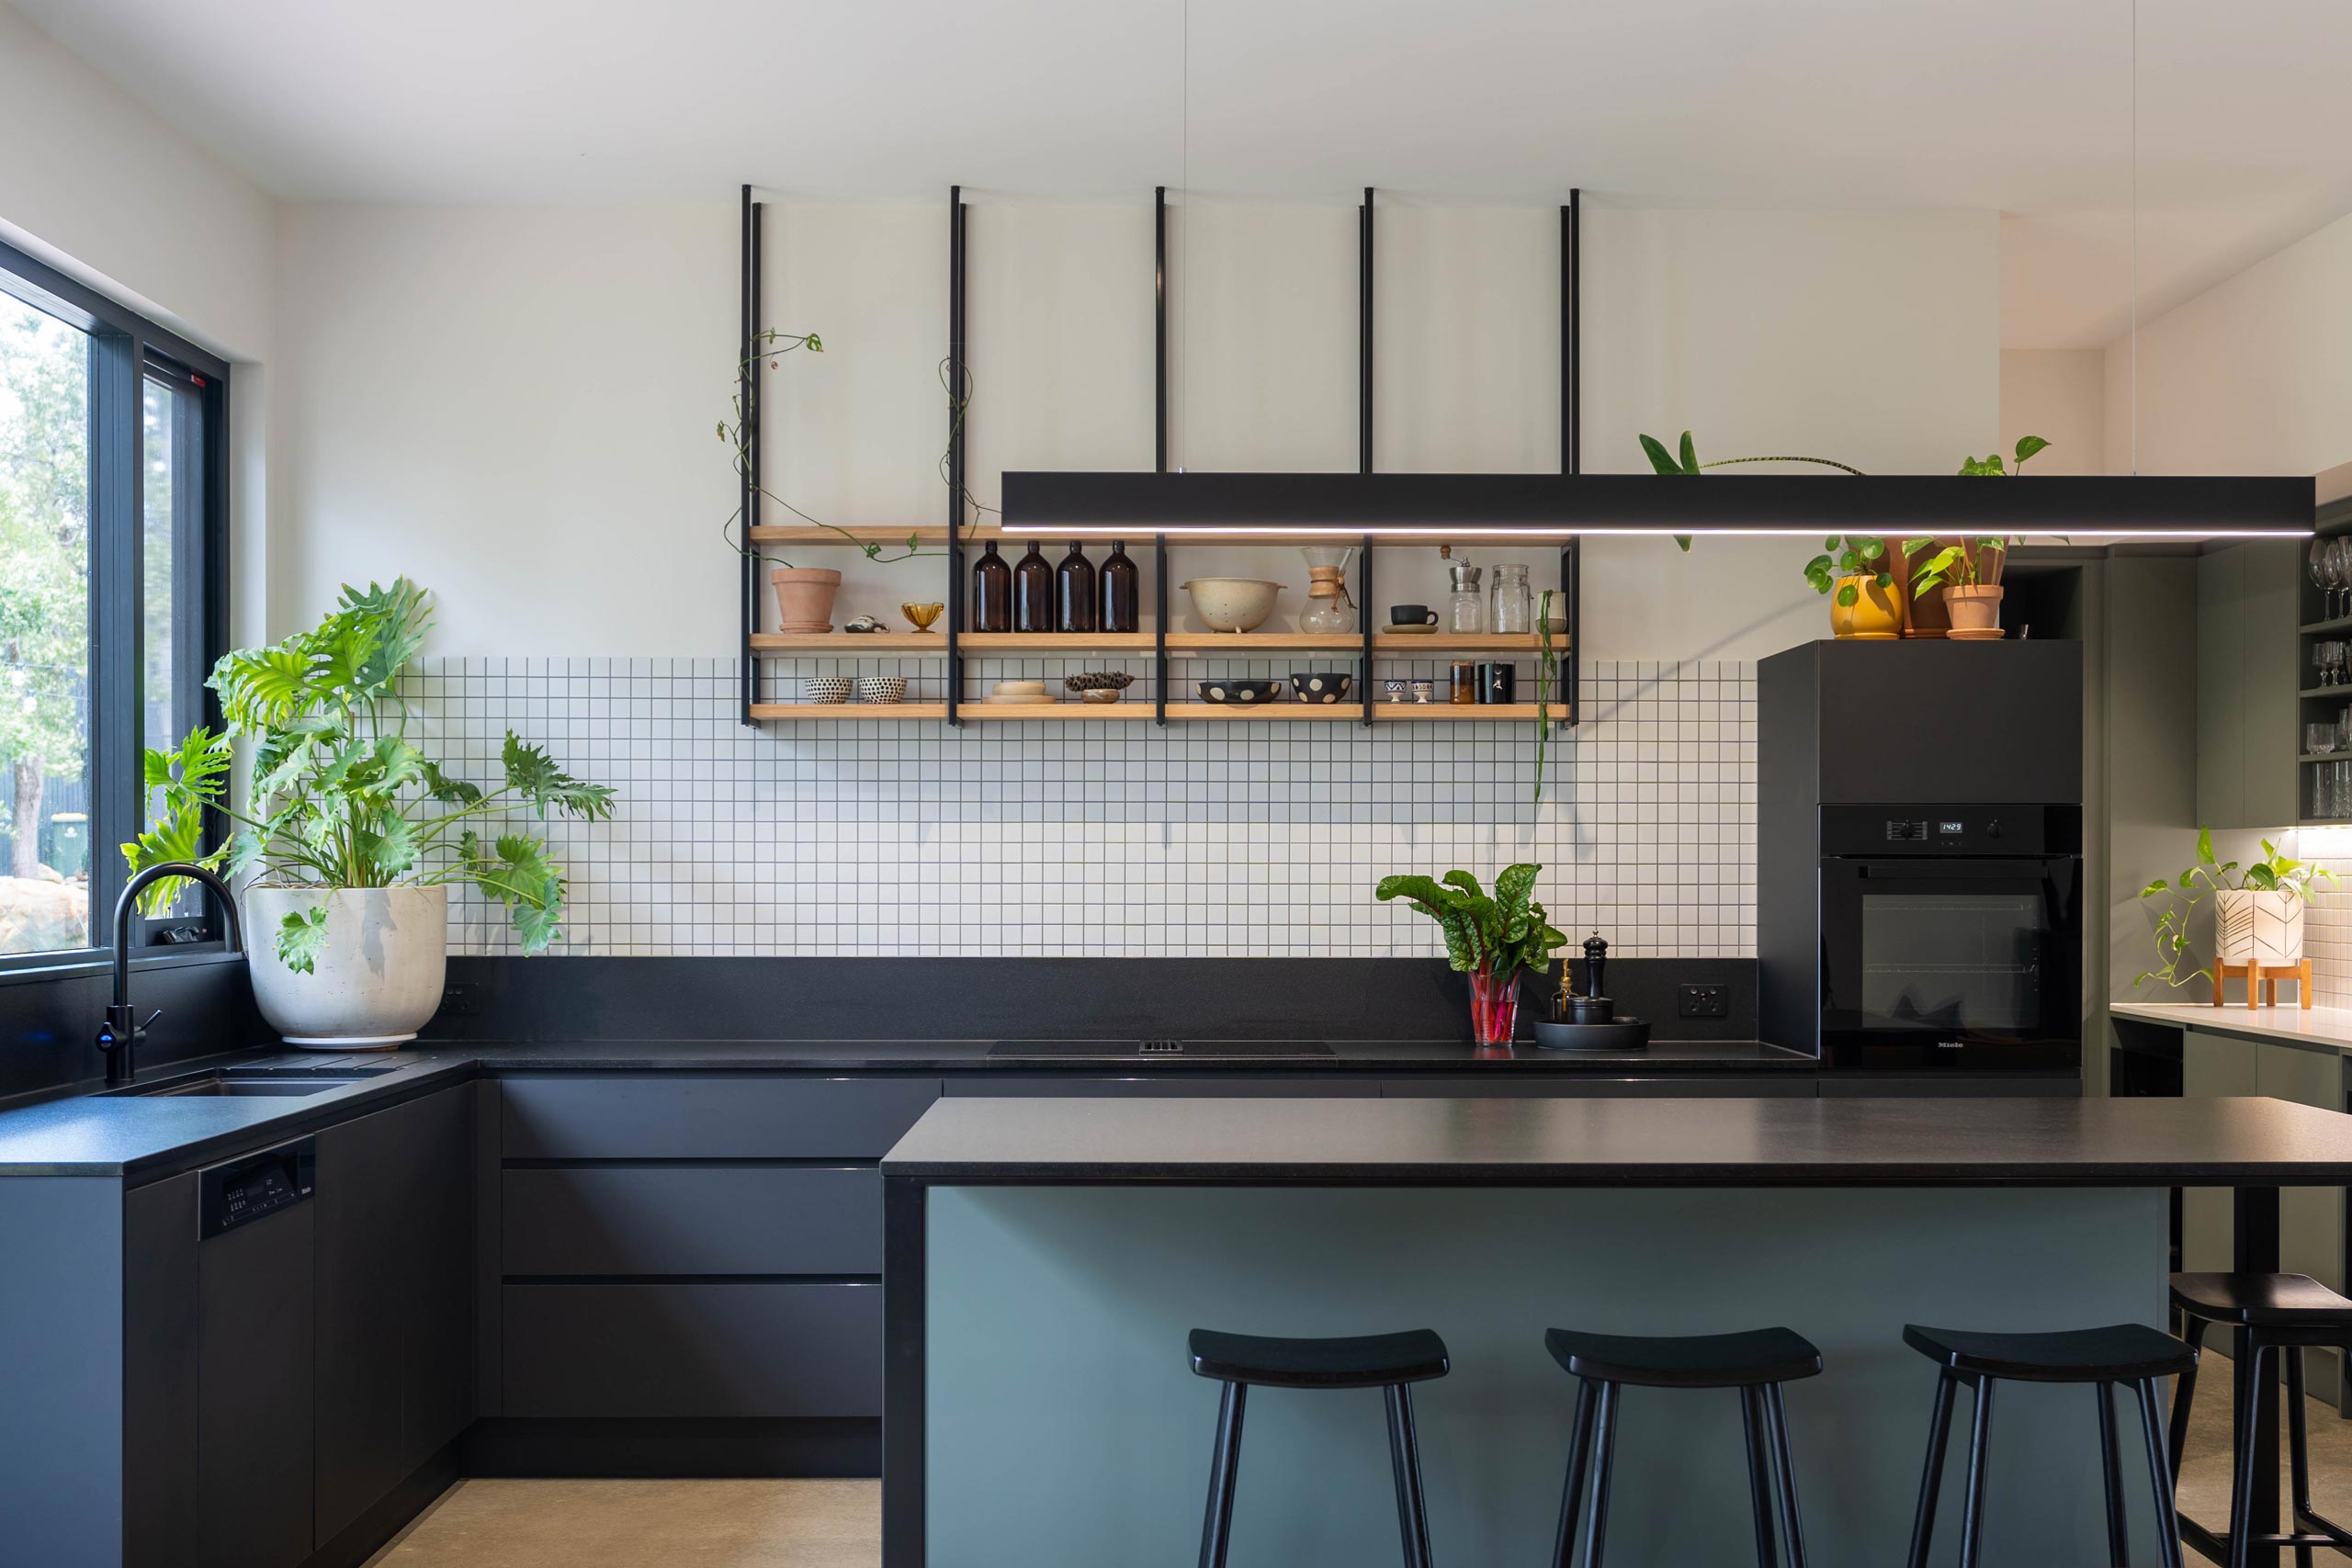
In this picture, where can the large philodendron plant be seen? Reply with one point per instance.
(340, 797)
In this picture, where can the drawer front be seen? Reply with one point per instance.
(1794, 1086)
(694, 1350)
(708, 1116)
(1046, 1087)
(692, 1219)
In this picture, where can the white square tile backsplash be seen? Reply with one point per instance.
(1118, 839)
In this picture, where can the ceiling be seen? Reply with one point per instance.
(2019, 105)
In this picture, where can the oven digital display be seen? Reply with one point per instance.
(1951, 829)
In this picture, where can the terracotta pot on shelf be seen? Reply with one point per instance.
(804, 597)
(1873, 616)
(1975, 611)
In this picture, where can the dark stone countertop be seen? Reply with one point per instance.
(1631, 1143)
(81, 1132)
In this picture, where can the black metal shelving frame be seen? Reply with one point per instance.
(960, 526)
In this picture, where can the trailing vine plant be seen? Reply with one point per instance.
(1547, 671)
(771, 344)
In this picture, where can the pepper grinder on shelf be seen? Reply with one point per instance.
(1594, 1006)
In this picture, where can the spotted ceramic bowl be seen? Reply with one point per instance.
(1241, 693)
(881, 688)
(1321, 685)
(826, 688)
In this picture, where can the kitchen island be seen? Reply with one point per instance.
(1044, 1260)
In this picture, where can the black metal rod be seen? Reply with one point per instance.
(1364, 620)
(1159, 630)
(748, 576)
(1405, 1461)
(1776, 1415)
(954, 451)
(1923, 1522)
(1224, 1472)
(1759, 1476)
(1564, 1539)
(1572, 334)
(2110, 1468)
(1159, 329)
(2160, 1474)
(1980, 1441)
(757, 444)
(1364, 334)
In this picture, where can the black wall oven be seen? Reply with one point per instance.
(1950, 937)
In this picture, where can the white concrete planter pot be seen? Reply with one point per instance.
(2259, 928)
(378, 977)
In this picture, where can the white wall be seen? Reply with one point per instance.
(517, 406)
(2252, 377)
(95, 184)
(2059, 394)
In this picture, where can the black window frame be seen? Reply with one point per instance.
(125, 349)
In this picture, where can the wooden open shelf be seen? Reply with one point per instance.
(809, 534)
(1385, 713)
(1459, 713)
(1240, 645)
(1409, 645)
(850, 645)
(1007, 644)
(837, 712)
(974, 711)
(1308, 713)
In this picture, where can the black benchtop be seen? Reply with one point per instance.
(1631, 1143)
(81, 1133)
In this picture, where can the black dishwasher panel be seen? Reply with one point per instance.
(243, 1191)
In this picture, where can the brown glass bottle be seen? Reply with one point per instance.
(1121, 592)
(1074, 608)
(992, 592)
(1033, 592)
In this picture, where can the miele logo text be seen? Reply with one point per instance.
(1949, 1045)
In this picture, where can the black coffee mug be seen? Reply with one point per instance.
(1411, 616)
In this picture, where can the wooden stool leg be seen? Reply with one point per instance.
(2119, 1535)
(1572, 1490)
(1405, 1457)
(2303, 981)
(1223, 1466)
(1923, 1524)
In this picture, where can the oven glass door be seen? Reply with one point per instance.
(1932, 963)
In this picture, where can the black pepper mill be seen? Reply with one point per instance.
(1596, 961)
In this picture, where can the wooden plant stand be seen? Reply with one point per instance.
(2269, 975)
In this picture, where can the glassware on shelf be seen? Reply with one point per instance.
(2319, 738)
(1122, 597)
(1074, 593)
(1329, 610)
(991, 591)
(1512, 610)
(1033, 592)
(1465, 606)
(2321, 577)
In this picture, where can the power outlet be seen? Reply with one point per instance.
(456, 1000)
(1702, 1002)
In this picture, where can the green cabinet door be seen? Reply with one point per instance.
(2248, 716)
(2212, 1066)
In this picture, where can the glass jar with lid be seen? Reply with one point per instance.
(1512, 610)
(1465, 606)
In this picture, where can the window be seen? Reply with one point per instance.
(111, 553)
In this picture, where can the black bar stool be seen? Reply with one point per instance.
(2126, 1353)
(1391, 1362)
(2281, 1315)
(1756, 1363)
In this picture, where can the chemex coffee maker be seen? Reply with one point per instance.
(1588, 1021)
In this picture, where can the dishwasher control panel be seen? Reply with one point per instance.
(243, 1191)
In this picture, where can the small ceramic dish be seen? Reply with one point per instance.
(1019, 691)
(881, 688)
(1101, 694)
(1321, 685)
(826, 689)
(1241, 693)
(1618, 1036)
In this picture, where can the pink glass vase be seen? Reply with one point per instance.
(1494, 1006)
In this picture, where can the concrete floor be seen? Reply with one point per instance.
(837, 1523)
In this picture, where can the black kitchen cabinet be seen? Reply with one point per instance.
(394, 1240)
(254, 1380)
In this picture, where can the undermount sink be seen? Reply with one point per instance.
(256, 1083)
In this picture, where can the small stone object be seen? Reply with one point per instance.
(864, 624)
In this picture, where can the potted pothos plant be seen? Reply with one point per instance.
(1965, 574)
(1853, 571)
(351, 833)
(2257, 915)
(1491, 939)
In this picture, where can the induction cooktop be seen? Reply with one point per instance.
(1157, 1050)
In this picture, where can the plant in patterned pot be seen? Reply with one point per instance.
(1492, 939)
(2257, 917)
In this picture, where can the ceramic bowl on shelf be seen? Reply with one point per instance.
(1017, 692)
(1321, 685)
(1232, 603)
(1241, 693)
(881, 688)
(826, 689)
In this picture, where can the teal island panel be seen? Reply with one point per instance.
(1065, 1427)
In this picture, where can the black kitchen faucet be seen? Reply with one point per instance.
(119, 1035)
